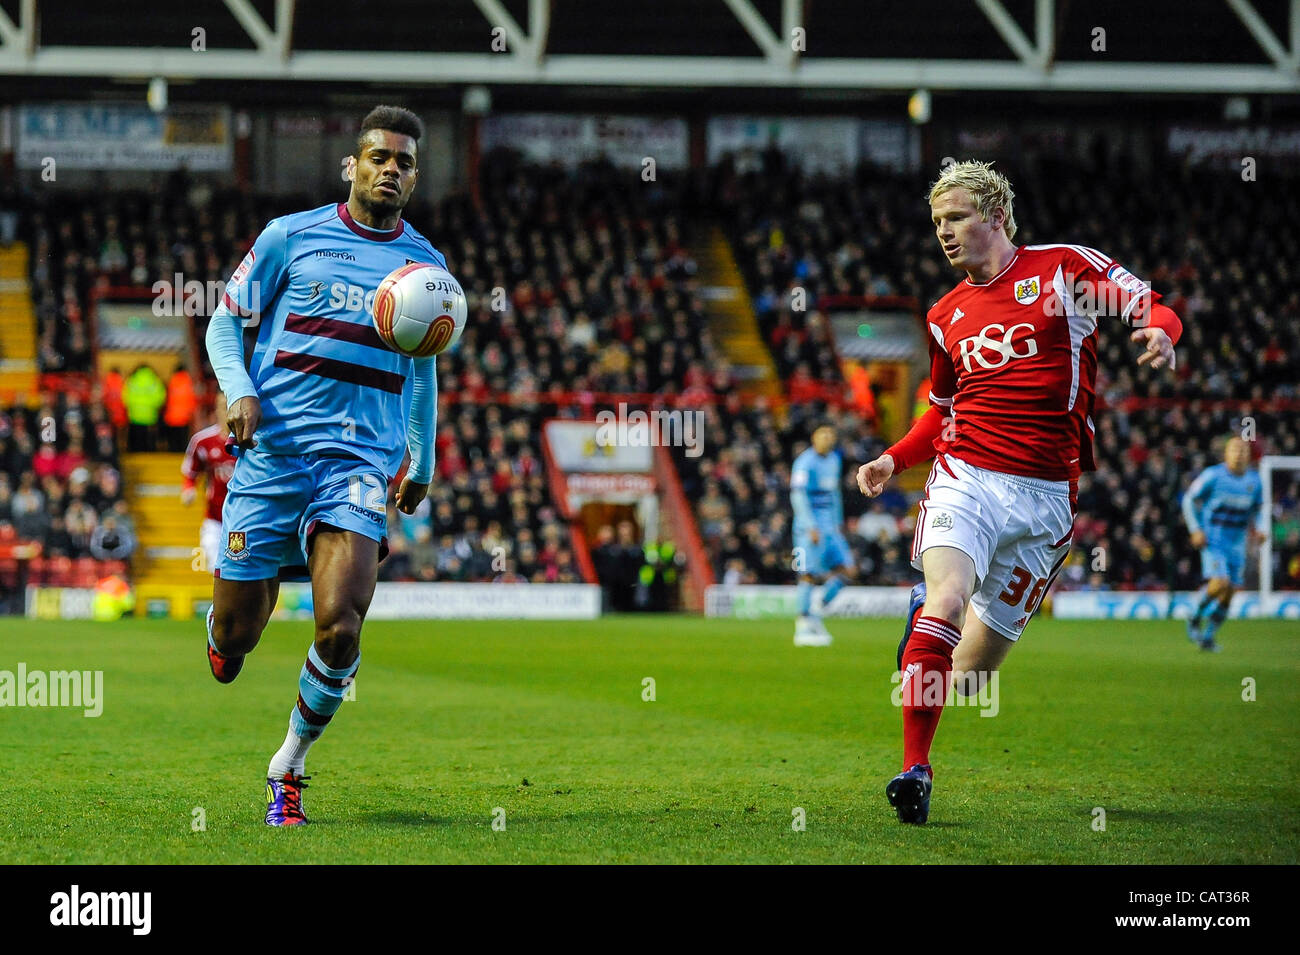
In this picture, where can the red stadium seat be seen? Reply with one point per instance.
(85, 572)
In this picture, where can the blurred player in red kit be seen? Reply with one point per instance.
(1013, 367)
(207, 455)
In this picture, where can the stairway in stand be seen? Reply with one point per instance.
(17, 326)
(166, 565)
(732, 318)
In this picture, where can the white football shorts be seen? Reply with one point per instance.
(1016, 529)
(210, 542)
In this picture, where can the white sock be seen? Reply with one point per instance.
(291, 757)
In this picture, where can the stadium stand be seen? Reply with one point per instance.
(581, 283)
(63, 520)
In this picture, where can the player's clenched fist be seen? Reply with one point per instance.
(873, 475)
(410, 494)
(243, 418)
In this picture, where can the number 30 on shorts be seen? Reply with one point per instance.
(1020, 579)
(366, 490)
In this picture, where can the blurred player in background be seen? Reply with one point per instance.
(208, 456)
(821, 552)
(323, 414)
(1013, 365)
(1223, 508)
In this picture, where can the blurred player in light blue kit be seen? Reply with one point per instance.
(1223, 508)
(820, 550)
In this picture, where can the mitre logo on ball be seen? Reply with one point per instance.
(419, 309)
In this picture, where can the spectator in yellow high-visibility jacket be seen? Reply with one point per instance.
(144, 395)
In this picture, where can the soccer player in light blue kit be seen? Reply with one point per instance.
(322, 413)
(1222, 508)
(821, 552)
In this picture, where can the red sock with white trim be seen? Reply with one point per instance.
(927, 675)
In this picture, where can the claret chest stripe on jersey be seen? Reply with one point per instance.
(337, 328)
(1081, 326)
(340, 371)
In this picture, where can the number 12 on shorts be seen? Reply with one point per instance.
(366, 490)
(1021, 579)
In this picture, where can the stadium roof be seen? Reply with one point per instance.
(1223, 46)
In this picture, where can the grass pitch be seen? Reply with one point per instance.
(543, 727)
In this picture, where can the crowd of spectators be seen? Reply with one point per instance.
(61, 489)
(741, 488)
(489, 514)
(577, 281)
(580, 281)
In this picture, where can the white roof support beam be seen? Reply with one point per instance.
(263, 36)
(1264, 36)
(18, 40)
(757, 28)
(656, 71)
(518, 42)
(1010, 31)
(1295, 30)
(284, 11)
(791, 20)
(1045, 31)
(539, 27)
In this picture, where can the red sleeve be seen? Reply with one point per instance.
(1166, 319)
(190, 466)
(918, 444)
(943, 376)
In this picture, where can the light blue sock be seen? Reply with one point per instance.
(803, 597)
(320, 694)
(833, 586)
(1205, 605)
(1218, 613)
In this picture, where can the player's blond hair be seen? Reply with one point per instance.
(987, 187)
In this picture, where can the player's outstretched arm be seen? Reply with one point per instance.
(915, 446)
(225, 341)
(421, 427)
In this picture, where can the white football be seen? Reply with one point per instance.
(419, 310)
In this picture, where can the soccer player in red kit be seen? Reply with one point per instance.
(1013, 366)
(207, 455)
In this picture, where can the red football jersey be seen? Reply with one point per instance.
(207, 454)
(1014, 359)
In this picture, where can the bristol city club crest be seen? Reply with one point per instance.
(236, 545)
(1027, 291)
(942, 521)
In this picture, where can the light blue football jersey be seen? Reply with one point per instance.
(815, 491)
(1223, 505)
(325, 379)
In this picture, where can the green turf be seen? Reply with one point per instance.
(547, 722)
